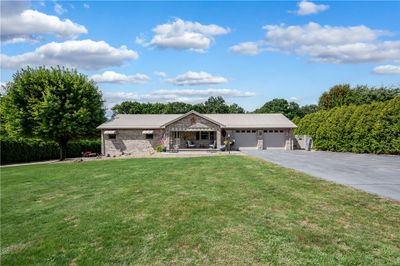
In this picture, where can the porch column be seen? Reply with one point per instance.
(167, 139)
(218, 139)
(102, 143)
(291, 139)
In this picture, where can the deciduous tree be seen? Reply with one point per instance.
(57, 104)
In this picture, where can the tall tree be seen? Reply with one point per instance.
(57, 104)
(282, 106)
(336, 96)
(343, 94)
(308, 109)
(215, 105)
(235, 109)
(127, 108)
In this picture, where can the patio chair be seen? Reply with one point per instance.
(190, 144)
(212, 145)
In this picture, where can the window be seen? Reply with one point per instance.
(176, 135)
(253, 131)
(212, 135)
(112, 136)
(270, 131)
(281, 131)
(197, 135)
(237, 131)
(243, 131)
(265, 131)
(248, 131)
(276, 131)
(149, 136)
(204, 135)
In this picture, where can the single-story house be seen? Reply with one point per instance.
(131, 133)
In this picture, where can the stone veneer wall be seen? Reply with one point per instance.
(186, 122)
(130, 141)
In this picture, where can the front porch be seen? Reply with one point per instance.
(193, 132)
(193, 140)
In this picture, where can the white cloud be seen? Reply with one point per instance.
(353, 53)
(161, 74)
(8, 8)
(82, 54)
(387, 69)
(330, 44)
(206, 93)
(197, 78)
(3, 87)
(85, 5)
(113, 98)
(293, 99)
(308, 8)
(28, 25)
(188, 96)
(246, 48)
(141, 40)
(314, 34)
(114, 77)
(59, 9)
(181, 34)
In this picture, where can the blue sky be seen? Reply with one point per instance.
(248, 52)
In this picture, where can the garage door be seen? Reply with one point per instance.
(274, 139)
(246, 140)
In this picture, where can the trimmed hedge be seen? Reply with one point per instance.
(29, 150)
(368, 128)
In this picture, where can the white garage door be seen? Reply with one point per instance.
(246, 140)
(274, 139)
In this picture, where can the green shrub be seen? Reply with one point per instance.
(160, 148)
(28, 150)
(368, 128)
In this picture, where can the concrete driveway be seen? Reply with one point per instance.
(378, 174)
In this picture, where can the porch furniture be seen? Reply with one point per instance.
(212, 145)
(89, 154)
(190, 144)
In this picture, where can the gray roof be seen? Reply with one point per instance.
(226, 120)
(252, 120)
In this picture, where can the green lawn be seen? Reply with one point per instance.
(209, 210)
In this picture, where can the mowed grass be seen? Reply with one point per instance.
(209, 210)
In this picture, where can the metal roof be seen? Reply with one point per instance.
(253, 120)
(138, 121)
(142, 121)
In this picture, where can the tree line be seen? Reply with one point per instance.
(338, 95)
(212, 105)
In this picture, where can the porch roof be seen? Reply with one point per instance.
(194, 127)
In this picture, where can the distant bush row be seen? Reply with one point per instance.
(29, 150)
(368, 128)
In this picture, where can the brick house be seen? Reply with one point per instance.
(142, 133)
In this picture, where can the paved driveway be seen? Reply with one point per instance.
(379, 174)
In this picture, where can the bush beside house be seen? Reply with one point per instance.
(368, 128)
